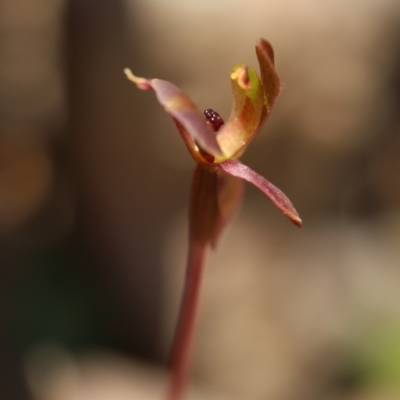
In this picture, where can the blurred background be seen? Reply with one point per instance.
(94, 185)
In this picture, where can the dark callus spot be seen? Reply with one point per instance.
(214, 120)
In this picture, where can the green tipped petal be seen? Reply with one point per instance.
(247, 111)
(252, 102)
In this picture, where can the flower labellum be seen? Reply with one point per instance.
(218, 181)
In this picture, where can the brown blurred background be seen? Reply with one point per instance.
(94, 185)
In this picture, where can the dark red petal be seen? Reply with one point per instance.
(230, 192)
(269, 77)
(203, 212)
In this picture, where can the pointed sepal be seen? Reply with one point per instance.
(269, 77)
(190, 121)
(278, 198)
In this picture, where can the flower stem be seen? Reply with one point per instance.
(183, 340)
(203, 211)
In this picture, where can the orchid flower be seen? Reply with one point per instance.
(218, 181)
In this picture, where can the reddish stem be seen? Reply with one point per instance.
(203, 221)
(183, 339)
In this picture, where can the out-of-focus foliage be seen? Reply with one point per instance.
(378, 356)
